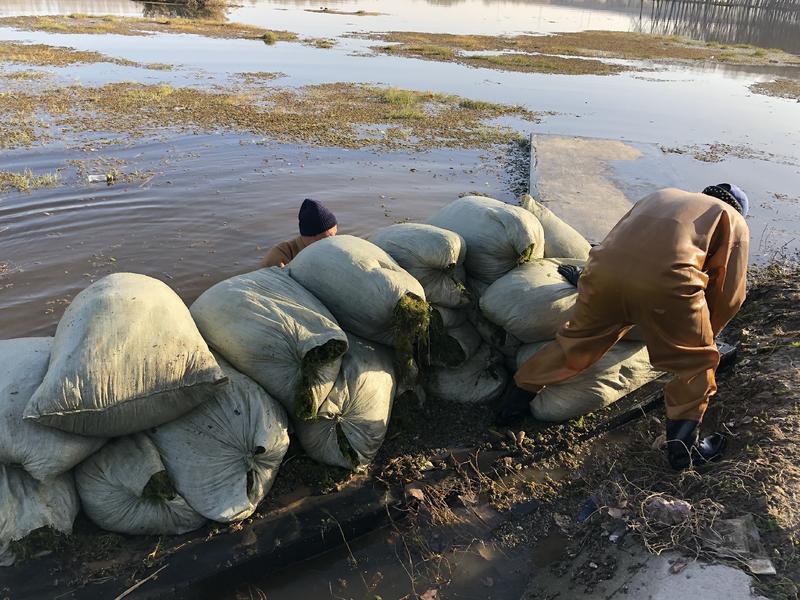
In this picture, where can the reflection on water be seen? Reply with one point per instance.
(767, 23)
(185, 11)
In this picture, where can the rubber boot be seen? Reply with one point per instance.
(684, 448)
(514, 405)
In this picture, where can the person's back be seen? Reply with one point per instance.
(670, 237)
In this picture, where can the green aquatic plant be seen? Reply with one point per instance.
(314, 361)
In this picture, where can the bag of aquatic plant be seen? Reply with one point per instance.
(126, 356)
(125, 488)
(480, 380)
(434, 256)
(276, 332)
(351, 423)
(476, 288)
(499, 236)
(493, 335)
(532, 301)
(224, 455)
(625, 368)
(32, 511)
(450, 347)
(44, 452)
(560, 239)
(450, 317)
(366, 290)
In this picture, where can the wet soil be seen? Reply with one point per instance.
(779, 88)
(605, 44)
(109, 24)
(44, 55)
(520, 62)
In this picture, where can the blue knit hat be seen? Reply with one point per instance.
(315, 218)
(730, 194)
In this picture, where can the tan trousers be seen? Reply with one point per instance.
(675, 324)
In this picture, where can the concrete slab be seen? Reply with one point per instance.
(642, 576)
(573, 177)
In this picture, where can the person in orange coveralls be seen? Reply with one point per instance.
(675, 266)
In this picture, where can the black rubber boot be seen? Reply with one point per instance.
(514, 405)
(684, 448)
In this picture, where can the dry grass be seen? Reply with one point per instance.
(57, 56)
(343, 115)
(26, 75)
(324, 43)
(539, 63)
(79, 23)
(256, 77)
(779, 88)
(26, 181)
(596, 44)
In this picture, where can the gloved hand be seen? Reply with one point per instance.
(571, 273)
(514, 405)
(684, 448)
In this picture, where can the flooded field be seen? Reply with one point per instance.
(223, 132)
(196, 206)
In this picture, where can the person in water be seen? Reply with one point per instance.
(316, 223)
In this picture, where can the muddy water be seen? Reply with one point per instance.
(206, 208)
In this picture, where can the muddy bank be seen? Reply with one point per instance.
(588, 44)
(524, 63)
(756, 408)
(54, 56)
(108, 24)
(779, 88)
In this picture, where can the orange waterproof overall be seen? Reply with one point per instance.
(676, 266)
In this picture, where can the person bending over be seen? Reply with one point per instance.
(675, 266)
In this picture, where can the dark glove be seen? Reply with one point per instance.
(571, 273)
(514, 405)
(684, 448)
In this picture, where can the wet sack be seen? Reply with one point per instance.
(272, 329)
(29, 505)
(370, 295)
(126, 356)
(480, 380)
(532, 301)
(560, 239)
(44, 452)
(499, 236)
(224, 455)
(125, 488)
(623, 369)
(434, 256)
(352, 422)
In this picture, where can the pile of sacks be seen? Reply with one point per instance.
(155, 417)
